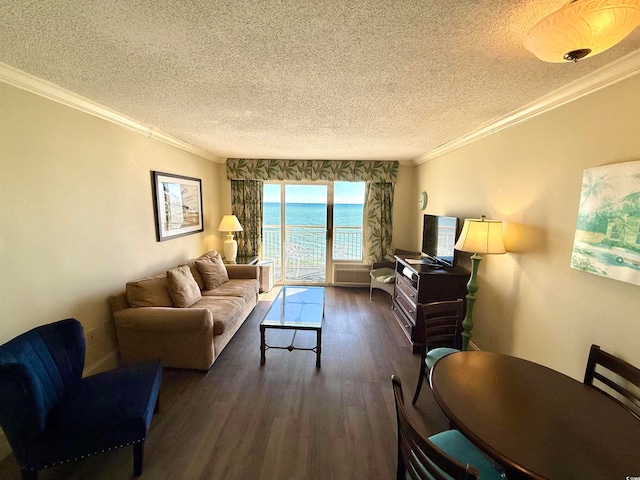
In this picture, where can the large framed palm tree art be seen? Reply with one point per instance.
(607, 239)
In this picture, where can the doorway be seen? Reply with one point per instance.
(295, 226)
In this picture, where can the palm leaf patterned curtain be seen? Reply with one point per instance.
(378, 221)
(246, 204)
(380, 178)
(311, 170)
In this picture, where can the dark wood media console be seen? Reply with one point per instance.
(419, 283)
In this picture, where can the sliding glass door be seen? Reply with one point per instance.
(307, 228)
(295, 232)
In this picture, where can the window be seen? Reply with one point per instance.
(348, 204)
(298, 230)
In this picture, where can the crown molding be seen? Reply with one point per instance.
(19, 79)
(615, 72)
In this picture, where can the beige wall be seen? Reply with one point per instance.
(530, 302)
(76, 215)
(404, 207)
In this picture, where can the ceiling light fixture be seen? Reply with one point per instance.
(582, 28)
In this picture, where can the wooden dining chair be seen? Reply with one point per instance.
(627, 372)
(442, 327)
(443, 456)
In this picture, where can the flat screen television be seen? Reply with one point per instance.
(439, 235)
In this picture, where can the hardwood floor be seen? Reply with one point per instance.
(286, 419)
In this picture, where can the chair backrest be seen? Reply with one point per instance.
(417, 455)
(36, 369)
(442, 323)
(627, 372)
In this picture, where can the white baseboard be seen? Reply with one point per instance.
(110, 361)
(473, 346)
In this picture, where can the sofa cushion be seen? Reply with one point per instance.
(213, 271)
(149, 292)
(225, 310)
(246, 289)
(183, 288)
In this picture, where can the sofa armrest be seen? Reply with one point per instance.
(179, 337)
(164, 319)
(241, 272)
(118, 302)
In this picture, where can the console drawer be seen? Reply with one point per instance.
(407, 307)
(407, 290)
(401, 318)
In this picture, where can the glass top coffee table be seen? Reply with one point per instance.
(295, 308)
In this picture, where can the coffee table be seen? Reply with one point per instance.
(295, 308)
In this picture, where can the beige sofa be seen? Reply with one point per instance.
(186, 316)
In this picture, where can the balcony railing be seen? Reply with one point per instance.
(306, 248)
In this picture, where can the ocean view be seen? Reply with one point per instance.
(305, 233)
(345, 215)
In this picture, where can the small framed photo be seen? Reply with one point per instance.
(177, 205)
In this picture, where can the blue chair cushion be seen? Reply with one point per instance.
(102, 412)
(456, 445)
(436, 354)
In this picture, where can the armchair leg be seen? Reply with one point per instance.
(420, 380)
(28, 474)
(138, 454)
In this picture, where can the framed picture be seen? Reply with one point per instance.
(177, 202)
(607, 239)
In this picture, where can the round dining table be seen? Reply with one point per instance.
(537, 422)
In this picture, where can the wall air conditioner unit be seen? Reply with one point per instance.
(351, 275)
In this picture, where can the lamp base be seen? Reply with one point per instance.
(472, 288)
(230, 249)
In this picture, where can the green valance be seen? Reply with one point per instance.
(310, 170)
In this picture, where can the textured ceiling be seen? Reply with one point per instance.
(322, 79)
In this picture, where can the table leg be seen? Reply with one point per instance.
(318, 347)
(262, 346)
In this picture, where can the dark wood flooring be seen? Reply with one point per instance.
(286, 419)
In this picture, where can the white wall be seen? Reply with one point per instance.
(530, 302)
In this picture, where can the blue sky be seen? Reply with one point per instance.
(344, 192)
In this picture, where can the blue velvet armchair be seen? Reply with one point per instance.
(51, 415)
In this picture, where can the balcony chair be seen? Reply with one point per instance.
(295, 253)
(620, 368)
(51, 415)
(383, 277)
(442, 326)
(444, 456)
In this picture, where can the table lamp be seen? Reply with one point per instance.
(478, 236)
(230, 224)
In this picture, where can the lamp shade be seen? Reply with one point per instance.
(229, 223)
(481, 236)
(582, 28)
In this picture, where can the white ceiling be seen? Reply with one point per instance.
(302, 79)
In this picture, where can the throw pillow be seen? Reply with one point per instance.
(183, 288)
(196, 274)
(149, 292)
(213, 271)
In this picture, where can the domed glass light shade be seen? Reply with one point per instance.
(582, 28)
